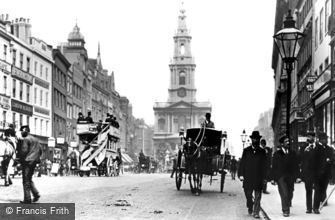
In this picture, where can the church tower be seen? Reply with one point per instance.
(182, 110)
(182, 65)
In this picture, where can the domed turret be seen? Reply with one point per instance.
(75, 35)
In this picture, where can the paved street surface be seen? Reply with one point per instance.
(138, 196)
(272, 206)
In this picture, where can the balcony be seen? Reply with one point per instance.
(322, 79)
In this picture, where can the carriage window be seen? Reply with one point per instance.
(161, 124)
(181, 78)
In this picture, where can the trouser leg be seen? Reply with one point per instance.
(284, 194)
(290, 187)
(324, 193)
(257, 201)
(309, 194)
(26, 182)
(248, 196)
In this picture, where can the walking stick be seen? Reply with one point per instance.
(324, 202)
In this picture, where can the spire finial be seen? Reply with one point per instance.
(182, 9)
(99, 48)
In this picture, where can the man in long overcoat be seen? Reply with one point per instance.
(308, 169)
(322, 164)
(328, 163)
(285, 170)
(252, 171)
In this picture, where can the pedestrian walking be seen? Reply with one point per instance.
(285, 171)
(29, 152)
(233, 167)
(268, 152)
(326, 159)
(252, 170)
(315, 172)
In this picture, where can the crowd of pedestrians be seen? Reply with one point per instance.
(313, 164)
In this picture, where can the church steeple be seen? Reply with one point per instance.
(99, 57)
(182, 66)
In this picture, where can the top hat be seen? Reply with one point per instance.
(255, 135)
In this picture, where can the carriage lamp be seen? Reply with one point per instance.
(244, 137)
(287, 40)
(181, 131)
(224, 135)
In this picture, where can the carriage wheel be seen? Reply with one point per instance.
(223, 176)
(81, 173)
(179, 178)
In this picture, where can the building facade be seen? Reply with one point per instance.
(59, 103)
(26, 66)
(181, 111)
(312, 105)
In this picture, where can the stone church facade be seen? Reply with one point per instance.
(181, 111)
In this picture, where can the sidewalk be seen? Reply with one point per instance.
(272, 206)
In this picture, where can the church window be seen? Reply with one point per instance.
(182, 78)
(161, 124)
(182, 49)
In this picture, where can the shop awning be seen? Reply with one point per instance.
(126, 158)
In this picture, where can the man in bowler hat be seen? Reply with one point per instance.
(285, 170)
(252, 171)
(28, 152)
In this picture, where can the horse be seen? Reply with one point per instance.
(195, 157)
(7, 152)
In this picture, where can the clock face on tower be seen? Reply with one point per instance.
(181, 92)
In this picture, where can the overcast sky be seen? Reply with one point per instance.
(231, 43)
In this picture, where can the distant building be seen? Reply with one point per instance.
(181, 109)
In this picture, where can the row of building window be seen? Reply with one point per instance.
(60, 77)
(77, 91)
(19, 94)
(19, 120)
(321, 23)
(28, 63)
(60, 100)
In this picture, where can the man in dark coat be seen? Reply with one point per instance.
(252, 170)
(208, 123)
(285, 170)
(268, 152)
(308, 169)
(329, 163)
(89, 118)
(323, 162)
(28, 152)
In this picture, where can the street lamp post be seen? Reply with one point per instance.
(244, 137)
(286, 41)
(224, 138)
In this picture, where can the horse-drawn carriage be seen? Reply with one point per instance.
(144, 164)
(201, 155)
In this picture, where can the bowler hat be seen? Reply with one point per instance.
(311, 133)
(282, 138)
(322, 135)
(25, 127)
(255, 135)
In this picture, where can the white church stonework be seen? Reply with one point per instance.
(181, 109)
